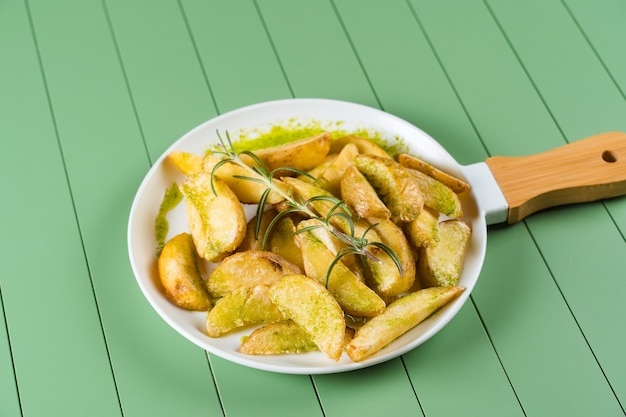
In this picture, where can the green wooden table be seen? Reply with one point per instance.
(93, 91)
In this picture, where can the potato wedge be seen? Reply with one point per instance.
(278, 338)
(331, 176)
(248, 269)
(241, 307)
(457, 184)
(247, 191)
(351, 293)
(398, 318)
(359, 194)
(217, 221)
(250, 242)
(180, 275)
(437, 195)
(365, 146)
(312, 307)
(381, 273)
(424, 230)
(393, 236)
(188, 163)
(398, 189)
(441, 264)
(282, 241)
(303, 154)
(281, 338)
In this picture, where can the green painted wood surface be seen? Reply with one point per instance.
(92, 92)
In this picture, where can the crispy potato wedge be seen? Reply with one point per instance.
(250, 242)
(398, 189)
(331, 176)
(241, 307)
(398, 318)
(282, 241)
(282, 338)
(456, 184)
(359, 194)
(365, 146)
(424, 230)
(309, 304)
(382, 274)
(393, 236)
(180, 274)
(441, 264)
(217, 221)
(438, 196)
(247, 191)
(248, 269)
(186, 162)
(351, 293)
(303, 154)
(276, 339)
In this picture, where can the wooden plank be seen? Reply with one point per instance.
(236, 54)
(583, 98)
(58, 348)
(314, 51)
(405, 73)
(504, 103)
(9, 395)
(98, 131)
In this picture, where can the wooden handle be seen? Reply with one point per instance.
(586, 170)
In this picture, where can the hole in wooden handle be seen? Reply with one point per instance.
(609, 156)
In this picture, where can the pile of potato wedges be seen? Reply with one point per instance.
(279, 283)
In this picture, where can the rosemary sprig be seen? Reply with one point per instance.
(356, 245)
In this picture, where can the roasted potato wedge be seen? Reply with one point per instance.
(331, 176)
(359, 194)
(351, 293)
(456, 184)
(186, 162)
(393, 236)
(398, 318)
(398, 189)
(309, 304)
(424, 230)
(441, 264)
(282, 241)
(303, 154)
(250, 241)
(365, 146)
(248, 269)
(241, 307)
(180, 274)
(247, 191)
(276, 339)
(438, 196)
(382, 274)
(217, 221)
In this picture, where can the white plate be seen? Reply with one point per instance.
(349, 117)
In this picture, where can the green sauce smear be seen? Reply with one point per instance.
(171, 198)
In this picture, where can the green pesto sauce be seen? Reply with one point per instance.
(171, 198)
(293, 129)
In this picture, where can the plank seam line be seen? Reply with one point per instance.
(317, 395)
(571, 311)
(273, 46)
(356, 53)
(71, 194)
(197, 52)
(408, 375)
(431, 46)
(495, 350)
(215, 385)
(6, 325)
